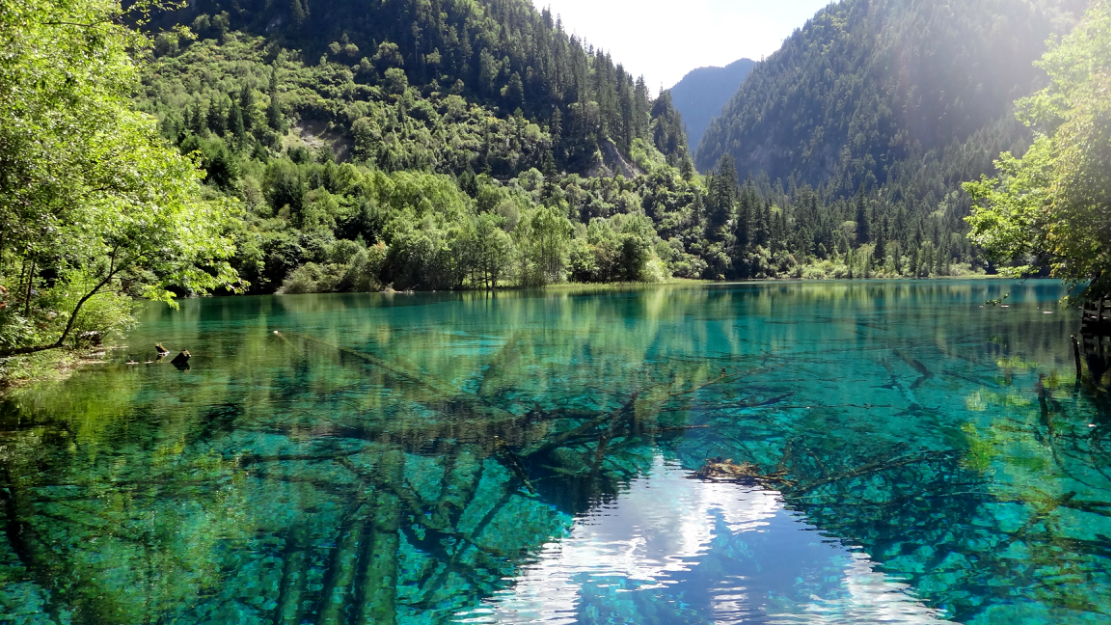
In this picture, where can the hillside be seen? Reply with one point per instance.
(867, 86)
(401, 143)
(465, 144)
(700, 95)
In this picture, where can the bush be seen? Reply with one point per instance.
(310, 278)
(109, 313)
(813, 272)
(364, 270)
(655, 270)
(350, 267)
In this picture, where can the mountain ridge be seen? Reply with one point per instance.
(702, 92)
(865, 84)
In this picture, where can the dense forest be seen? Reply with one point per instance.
(457, 144)
(884, 108)
(471, 144)
(322, 145)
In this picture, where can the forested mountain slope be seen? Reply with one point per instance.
(868, 88)
(701, 93)
(403, 141)
(472, 143)
(501, 54)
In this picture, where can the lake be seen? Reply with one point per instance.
(906, 454)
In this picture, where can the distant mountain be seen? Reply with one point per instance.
(700, 95)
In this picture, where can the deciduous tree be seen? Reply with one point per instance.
(89, 191)
(1052, 206)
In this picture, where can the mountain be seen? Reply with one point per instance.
(444, 144)
(500, 54)
(702, 92)
(867, 86)
(429, 144)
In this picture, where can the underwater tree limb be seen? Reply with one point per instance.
(871, 468)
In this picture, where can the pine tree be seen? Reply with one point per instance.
(747, 205)
(297, 13)
(687, 168)
(548, 168)
(274, 117)
(247, 107)
(862, 219)
(234, 122)
(514, 92)
(761, 231)
(216, 118)
(880, 253)
(721, 191)
(196, 120)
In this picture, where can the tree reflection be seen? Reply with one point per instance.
(379, 460)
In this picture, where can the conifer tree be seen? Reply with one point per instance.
(862, 218)
(247, 106)
(761, 231)
(234, 123)
(216, 118)
(274, 117)
(720, 196)
(297, 13)
(196, 119)
(880, 253)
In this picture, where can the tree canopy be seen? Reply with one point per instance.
(92, 201)
(1052, 206)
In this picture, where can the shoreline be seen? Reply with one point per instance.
(49, 366)
(57, 365)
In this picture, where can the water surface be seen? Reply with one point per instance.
(530, 458)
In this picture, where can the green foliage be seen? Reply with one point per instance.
(347, 266)
(619, 249)
(91, 198)
(894, 103)
(408, 157)
(1052, 206)
(474, 142)
(543, 237)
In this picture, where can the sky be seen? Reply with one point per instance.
(665, 39)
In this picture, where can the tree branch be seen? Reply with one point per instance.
(96, 25)
(113, 269)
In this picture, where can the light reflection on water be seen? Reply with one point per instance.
(730, 553)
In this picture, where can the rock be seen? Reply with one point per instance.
(727, 469)
(181, 361)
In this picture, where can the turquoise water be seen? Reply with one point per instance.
(531, 458)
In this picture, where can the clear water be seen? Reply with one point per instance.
(530, 458)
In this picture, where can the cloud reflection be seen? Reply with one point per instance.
(706, 552)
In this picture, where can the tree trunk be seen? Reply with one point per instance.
(30, 281)
(112, 271)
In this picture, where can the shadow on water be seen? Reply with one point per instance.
(529, 457)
